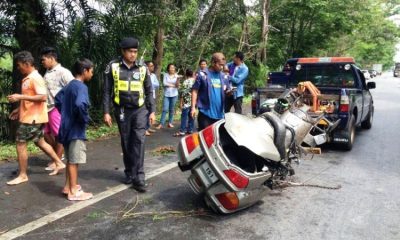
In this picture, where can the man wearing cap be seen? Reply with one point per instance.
(128, 86)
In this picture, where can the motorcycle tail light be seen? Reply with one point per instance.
(208, 135)
(229, 200)
(192, 142)
(236, 178)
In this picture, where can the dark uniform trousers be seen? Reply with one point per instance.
(132, 130)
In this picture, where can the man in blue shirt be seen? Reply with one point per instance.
(238, 72)
(73, 103)
(208, 92)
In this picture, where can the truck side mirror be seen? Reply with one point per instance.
(371, 85)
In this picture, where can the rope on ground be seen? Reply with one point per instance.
(158, 215)
(285, 184)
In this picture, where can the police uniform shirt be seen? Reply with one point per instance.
(127, 99)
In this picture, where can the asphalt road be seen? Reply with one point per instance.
(366, 207)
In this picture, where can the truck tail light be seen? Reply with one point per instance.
(229, 200)
(344, 101)
(236, 178)
(208, 135)
(344, 108)
(253, 103)
(192, 142)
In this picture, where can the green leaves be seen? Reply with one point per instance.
(194, 29)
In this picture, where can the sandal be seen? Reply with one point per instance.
(179, 134)
(80, 196)
(159, 126)
(170, 125)
(147, 133)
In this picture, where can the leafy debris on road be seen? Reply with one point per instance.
(163, 150)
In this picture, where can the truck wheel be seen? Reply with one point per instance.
(351, 133)
(367, 123)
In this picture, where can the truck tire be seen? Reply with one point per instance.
(367, 123)
(351, 133)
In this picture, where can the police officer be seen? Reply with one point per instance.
(127, 85)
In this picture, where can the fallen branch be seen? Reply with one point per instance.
(159, 215)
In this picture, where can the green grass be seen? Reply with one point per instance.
(96, 133)
(8, 149)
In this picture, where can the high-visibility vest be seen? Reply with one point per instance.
(123, 85)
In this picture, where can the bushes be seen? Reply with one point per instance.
(257, 77)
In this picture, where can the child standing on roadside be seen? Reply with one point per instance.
(73, 103)
(187, 121)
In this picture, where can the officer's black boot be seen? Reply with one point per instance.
(127, 179)
(140, 186)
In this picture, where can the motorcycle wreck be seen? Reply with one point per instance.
(235, 161)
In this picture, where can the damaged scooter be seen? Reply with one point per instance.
(235, 161)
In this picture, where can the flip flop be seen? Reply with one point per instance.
(179, 134)
(56, 171)
(80, 196)
(65, 192)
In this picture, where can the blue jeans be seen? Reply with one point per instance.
(168, 104)
(187, 121)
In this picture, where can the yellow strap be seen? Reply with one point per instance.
(115, 73)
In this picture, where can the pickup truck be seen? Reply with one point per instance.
(345, 97)
(396, 70)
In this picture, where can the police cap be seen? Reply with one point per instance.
(129, 42)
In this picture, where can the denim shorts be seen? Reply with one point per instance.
(75, 152)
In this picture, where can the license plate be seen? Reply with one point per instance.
(212, 178)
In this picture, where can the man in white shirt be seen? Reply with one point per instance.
(56, 78)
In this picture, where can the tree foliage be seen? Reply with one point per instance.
(184, 31)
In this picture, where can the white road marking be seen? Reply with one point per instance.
(19, 231)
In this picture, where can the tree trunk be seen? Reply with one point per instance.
(264, 31)
(244, 38)
(158, 51)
